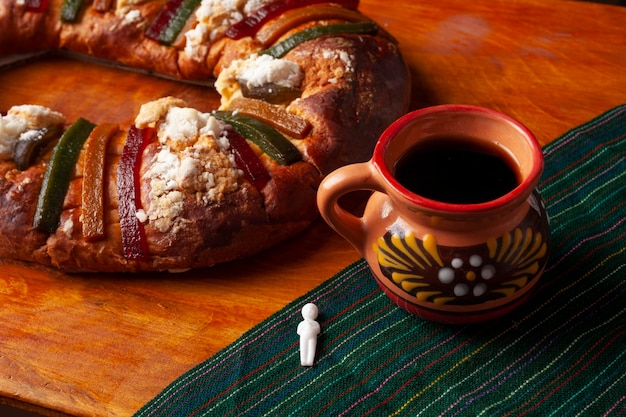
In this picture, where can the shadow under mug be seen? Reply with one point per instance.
(446, 261)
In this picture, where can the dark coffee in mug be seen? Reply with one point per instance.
(456, 170)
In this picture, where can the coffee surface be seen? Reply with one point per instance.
(453, 170)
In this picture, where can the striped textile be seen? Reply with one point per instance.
(563, 353)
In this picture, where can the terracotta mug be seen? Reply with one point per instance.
(451, 250)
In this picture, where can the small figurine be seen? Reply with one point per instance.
(308, 329)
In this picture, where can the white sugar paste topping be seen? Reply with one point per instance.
(257, 70)
(21, 119)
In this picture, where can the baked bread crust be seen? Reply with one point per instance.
(353, 87)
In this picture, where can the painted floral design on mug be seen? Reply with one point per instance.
(493, 270)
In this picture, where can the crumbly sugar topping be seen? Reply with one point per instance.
(36, 116)
(342, 56)
(152, 112)
(194, 159)
(128, 12)
(132, 16)
(68, 227)
(194, 39)
(259, 70)
(24, 120)
(214, 17)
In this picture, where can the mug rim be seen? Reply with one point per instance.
(524, 187)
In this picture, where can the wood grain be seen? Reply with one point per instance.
(103, 345)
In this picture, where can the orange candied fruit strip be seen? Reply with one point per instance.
(93, 181)
(276, 116)
(274, 29)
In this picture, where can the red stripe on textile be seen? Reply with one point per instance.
(612, 409)
(359, 324)
(556, 379)
(580, 160)
(245, 377)
(574, 375)
(578, 232)
(420, 373)
(364, 381)
(554, 263)
(351, 307)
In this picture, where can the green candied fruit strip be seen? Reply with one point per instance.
(170, 33)
(273, 143)
(171, 20)
(281, 48)
(70, 10)
(56, 179)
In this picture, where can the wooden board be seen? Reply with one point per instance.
(100, 93)
(103, 345)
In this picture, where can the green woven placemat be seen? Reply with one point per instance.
(563, 353)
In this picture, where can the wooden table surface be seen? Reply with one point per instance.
(103, 345)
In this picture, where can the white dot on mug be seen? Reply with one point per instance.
(460, 290)
(479, 289)
(446, 275)
(488, 272)
(476, 260)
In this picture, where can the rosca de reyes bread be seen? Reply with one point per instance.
(306, 86)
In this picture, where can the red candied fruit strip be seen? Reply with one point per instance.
(251, 24)
(163, 19)
(247, 160)
(134, 240)
(37, 6)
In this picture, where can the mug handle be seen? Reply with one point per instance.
(346, 179)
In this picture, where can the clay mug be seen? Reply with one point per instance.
(448, 249)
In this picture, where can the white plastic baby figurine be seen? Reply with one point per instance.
(308, 329)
